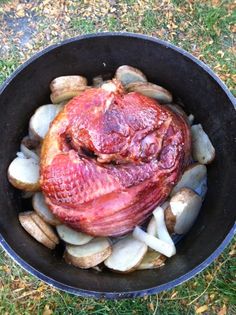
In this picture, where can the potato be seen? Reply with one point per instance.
(202, 148)
(88, 255)
(41, 120)
(152, 260)
(46, 228)
(34, 230)
(24, 174)
(152, 90)
(194, 177)
(65, 87)
(42, 209)
(127, 74)
(183, 210)
(71, 236)
(126, 255)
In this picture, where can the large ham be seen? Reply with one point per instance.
(110, 158)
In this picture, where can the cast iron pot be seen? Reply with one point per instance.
(203, 94)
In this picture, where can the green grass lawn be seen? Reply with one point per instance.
(205, 29)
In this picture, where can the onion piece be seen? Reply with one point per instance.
(154, 243)
(162, 232)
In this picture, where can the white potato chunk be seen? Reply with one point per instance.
(88, 255)
(152, 260)
(151, 90)
(71, 236)
(154, 243)
(34, 230)
(65, 87)
(194, 177)
(40, 122)
(45, 227)
(183, 210)
(202, 148)
(24, 174)
(40, 206)
(127, 74)
(126, 255)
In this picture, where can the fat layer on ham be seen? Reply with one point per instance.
(110, 158)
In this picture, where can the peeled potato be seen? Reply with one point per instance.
(193, 177)
(202, 148)
(152, 260)
(152, 90)
(34, 230)
(126, 255)
(65, 87)
(42, 209)
(183, 211)
(127, 74)
(88, 255)
(40, 121)
(24, 174)
(46, 228)
(71, 236)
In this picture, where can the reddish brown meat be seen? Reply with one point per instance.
(110, 158)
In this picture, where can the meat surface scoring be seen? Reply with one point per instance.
(110, 158)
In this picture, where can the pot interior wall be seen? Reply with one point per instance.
(201, 95)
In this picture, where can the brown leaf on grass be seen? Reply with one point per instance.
(47, 310)
(223, 310)
(151, 306)
(173, 295)
(215, 2)
(201, 309)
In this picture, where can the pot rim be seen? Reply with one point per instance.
(129, 294)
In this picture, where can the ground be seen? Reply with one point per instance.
(204, 28)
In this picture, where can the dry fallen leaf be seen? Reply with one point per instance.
(223, 310)
(201, 309)
(47, 310)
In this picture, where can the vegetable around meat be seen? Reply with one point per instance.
(126, 255)
(40, 206)
(112, 175)
(34, 229)
(23, 174)
(88, 255)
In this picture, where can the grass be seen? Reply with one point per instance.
(204, 28)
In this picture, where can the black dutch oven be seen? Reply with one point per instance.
(203, 94)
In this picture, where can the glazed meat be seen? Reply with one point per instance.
(110, 158)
